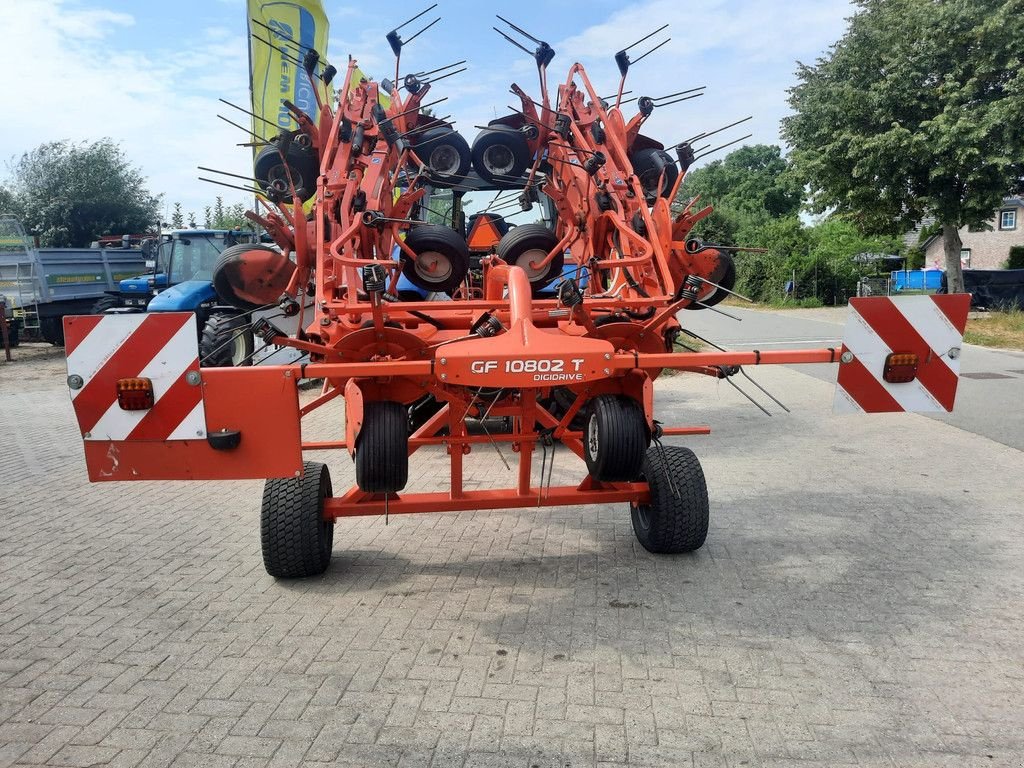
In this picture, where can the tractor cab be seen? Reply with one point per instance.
(493, 219)
(182, 260)
(187, 259)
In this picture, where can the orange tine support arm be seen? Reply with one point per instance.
(328, 151)
(519, 293)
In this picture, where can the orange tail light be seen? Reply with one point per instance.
(900, 367)
(135, 394)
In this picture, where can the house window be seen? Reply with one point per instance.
(965, 258)
(1008, 219)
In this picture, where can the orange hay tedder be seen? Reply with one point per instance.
(431, 326)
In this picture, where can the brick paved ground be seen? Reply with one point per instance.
(843, 612)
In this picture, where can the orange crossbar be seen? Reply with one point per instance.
(753, 357)
(418, 442)
(620, 362)
(499, 498)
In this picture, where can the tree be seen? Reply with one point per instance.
(220, 216)
(918, 110)
(8, 202)
(749, 188)
(69, 194)
(177, 218)
(830, 265)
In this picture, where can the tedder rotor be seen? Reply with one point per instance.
(424, 321)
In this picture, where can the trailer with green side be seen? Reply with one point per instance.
(42, 285)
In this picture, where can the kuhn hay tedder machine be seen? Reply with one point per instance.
(559, 328)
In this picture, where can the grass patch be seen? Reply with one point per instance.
(997, 329)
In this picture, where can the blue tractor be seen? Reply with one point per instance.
(181, 281)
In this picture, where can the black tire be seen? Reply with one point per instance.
(561, 400)
(501, 156)
(441, 248)
(532, 243)
(13, 335)
(271, 282)
(227, 341)
(446, 155)
(725, 277)
(615, 439)
(295, 537)
(270, 168)
(52, 330)
(382, 448)
(670, 524)
(103, 303)
(648, 165)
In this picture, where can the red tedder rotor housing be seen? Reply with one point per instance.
(428, 324)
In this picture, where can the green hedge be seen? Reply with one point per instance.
(1016, 260)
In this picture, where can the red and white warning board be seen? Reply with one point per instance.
(164, 348)
(881, 331)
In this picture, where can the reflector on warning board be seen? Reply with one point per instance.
(109, 356)
(901, 354)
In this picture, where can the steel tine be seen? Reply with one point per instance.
(522, 31)
(769, 394)
(740, 390)
(645, 37)
(234, 186)
(407, 22)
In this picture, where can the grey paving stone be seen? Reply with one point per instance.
(858, 603)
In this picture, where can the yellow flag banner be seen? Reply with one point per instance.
(280, 34)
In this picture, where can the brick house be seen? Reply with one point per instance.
(983, 248)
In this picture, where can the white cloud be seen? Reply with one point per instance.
(85, 73)
(99, 77)
(744, 51)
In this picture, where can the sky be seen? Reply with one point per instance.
(149, 75)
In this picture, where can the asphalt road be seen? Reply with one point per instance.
(989, 405)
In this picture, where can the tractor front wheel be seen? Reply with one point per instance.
(676, 519)
(105, 302)
(227, 341)
(295, 536)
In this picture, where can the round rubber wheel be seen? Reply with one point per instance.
(295, 536)
(272, 170)
(382, 448)
(676, 519)
(226, 342)
(103, 303)
(251, 275)
(52, 330)
(527, 246)
(13, 335)
(726, 277)
(650, 165)
(501, 157)
(615, 439)
(442, 258)
(446, 154)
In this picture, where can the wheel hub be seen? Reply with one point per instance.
(444, 160)
(593, 443)
(498, 160)
(238, 350)
(530, 263)
(433, 266)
